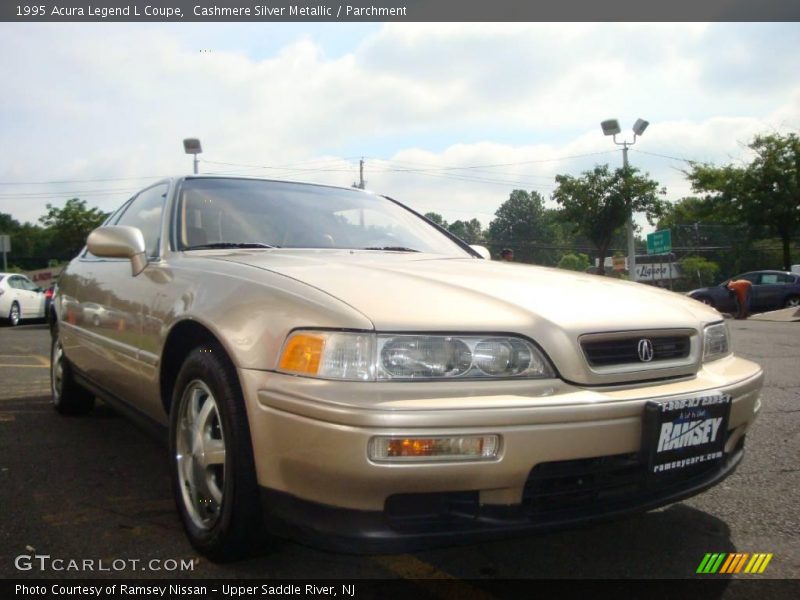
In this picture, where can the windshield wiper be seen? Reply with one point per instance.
(229, 245)
(391, 248)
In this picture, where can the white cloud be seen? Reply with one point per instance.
(111, 101)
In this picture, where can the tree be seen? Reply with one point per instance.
(469, 231)
(8, 224)
(687, 213)
(764, 195)
(436, 218)
(29, 243)
(71, 225)
(574, 262)
(700, 271)
(702, 225)
(596, 203)
(521, 222)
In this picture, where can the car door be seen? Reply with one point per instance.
(23, 295)
(771, 290)
(35, 299)
(129, 299)
(754, 279)
(13, 293)
(109, 303)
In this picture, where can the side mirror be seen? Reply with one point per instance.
(482, 250)
(119, 241)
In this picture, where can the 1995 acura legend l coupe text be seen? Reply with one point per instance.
(333, 366)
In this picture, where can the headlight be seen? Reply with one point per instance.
(370, 357)
(329, 355)
(716, 342)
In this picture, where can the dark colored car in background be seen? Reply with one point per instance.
(771, 290)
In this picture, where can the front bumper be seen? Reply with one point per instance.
(310, 442)
(411, 522)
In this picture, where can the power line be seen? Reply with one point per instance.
(285, 167)
(68, 181)
(294, 168)
(142, 177)
(483, 171)
(492, 165)
(687, 160)
(67, 193)
(481, 180)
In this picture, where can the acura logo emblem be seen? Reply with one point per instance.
(645, 350)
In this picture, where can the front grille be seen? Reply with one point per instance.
(620, 351)
(597, 485)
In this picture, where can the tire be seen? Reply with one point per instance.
(14, 314)
(792, 302)
(68, 397)
(211, 458)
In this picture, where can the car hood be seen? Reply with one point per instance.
(414, 292)
(410, 292)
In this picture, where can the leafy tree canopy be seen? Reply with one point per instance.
(596, 203)
(436, 218)
(71, 224)
(574, 262)
(469, 231)
(764, 194)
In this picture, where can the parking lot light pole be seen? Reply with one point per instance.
(192, 146)
(611, 127)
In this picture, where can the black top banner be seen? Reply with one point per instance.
(399, 10)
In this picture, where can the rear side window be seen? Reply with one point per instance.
(775, 278)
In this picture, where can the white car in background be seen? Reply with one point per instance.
(20, 298)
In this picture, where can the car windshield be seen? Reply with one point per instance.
(243, 213)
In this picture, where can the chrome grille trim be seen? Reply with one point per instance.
(605, 353)
(618, 351)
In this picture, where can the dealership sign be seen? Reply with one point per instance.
(658, 271)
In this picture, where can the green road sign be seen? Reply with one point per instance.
(659, 242)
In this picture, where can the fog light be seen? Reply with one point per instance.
(455, 448)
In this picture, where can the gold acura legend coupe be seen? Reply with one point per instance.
(331, 366)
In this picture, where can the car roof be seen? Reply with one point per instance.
(246, 178)
(773, 271)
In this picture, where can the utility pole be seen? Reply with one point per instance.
(360, 184)
(5, 244)
(611, 127)
(192, 146)
(629, 223)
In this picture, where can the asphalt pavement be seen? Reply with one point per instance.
(97, 488)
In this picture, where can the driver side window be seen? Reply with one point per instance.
(145, 212)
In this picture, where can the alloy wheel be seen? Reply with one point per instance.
(57, 372)
(200, 455)
(14, 315)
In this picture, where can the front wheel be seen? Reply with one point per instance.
(68, 397)
(213, 473)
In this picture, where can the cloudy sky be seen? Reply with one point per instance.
(448, 117)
